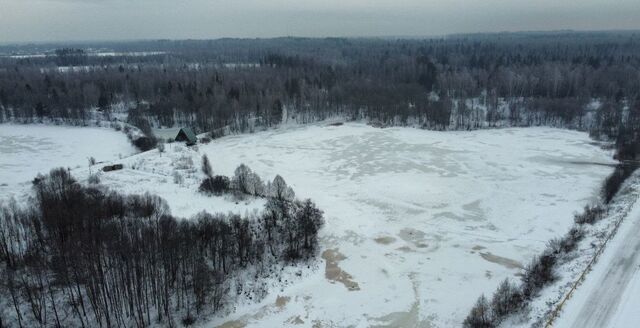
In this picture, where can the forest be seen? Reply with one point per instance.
(85, 256)
(588, 81)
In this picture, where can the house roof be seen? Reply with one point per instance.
(172, 134)
(190, 135)
(165, 134)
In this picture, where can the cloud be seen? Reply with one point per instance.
(41, 20)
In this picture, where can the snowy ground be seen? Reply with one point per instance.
(419, 223)
(175, 176)
(26, 150)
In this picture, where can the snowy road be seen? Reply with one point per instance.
(609, 296)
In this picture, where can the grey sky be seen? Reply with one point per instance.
(57, 20)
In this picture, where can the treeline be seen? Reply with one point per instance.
(86, 256)
(586, 81)
(244, 182)
(511, 298)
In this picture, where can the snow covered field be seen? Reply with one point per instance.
(419, 223)
(26, 150)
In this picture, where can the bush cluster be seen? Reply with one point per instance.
(510, 298)
(590, 215)
(216, 185)
(614, 182)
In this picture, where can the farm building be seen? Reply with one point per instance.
(177, 134)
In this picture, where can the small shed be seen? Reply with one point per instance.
(113, 167)
(177, 134)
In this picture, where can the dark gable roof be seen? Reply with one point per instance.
(176, 134)
(190, 135)
(166, 134)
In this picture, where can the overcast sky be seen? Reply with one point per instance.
(63, 20)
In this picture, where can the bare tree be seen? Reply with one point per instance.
(480, 316)
(280, 191)
(241, 179)
(206, 166)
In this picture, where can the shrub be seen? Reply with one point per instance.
(506, 300)
(571, 240)
(256, 186)
(216, 185)
(538, 273)
(241, 179)
(627, 150)
(591, 215)
(183, 163)
(615, 180)
(177, 177)
(94, 179)
(279, 190)
(218, 133)
(206, 166)
(188, 320)
(480, 315)
(144, 143)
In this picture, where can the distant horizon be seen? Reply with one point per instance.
(416, 36)
(40, 21)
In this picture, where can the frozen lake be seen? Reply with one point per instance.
(419, 223)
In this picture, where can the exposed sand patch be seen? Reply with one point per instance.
(414, 236)
(281, 301)
(277, 306)
(234, 324)
(334, 273)
(409, 318)
(473, 210)
(405, 249)
(296, 320)
(385, 240)
(399, 319)
(506, 262)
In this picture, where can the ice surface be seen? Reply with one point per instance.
(424, 221)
